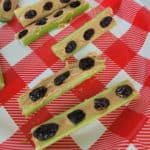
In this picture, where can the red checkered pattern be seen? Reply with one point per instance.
(126, 51)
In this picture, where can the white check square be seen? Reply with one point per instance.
(43, 75)
(14, 52)
(23, 3)
(7, 126)
(121, 76)
(86, 50)
(145, 50)
(121, 28)
(131, 147)
(88, 135)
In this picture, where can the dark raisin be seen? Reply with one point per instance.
(64, 1)
(71, 46)
(106, 21)
(38, 93)
(124, 91)
(30, 14)
(101, 103)
(58, 13)
(46, 131)
(88, 34)
(41, 21)
(76, 116)
(48, 6)
(86, 63)
(75, 4)
(22, 33)
(7, 5)
(61, 78)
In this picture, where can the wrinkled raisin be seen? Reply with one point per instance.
(64, 1)
(38, 93)
(41, 21)
(71, 46)
(124, 91)
(46, 131)
(88, 34)
(48, 6)
(106, 21)
(22, 33)
(75, 4)
(58, 13)
(61, 78)
(30, 14)
(7, 5)
(86, 63)
(101, 103)
(76, 116)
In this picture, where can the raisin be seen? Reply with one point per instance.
(48, 6)
(101, 103)
(38, 93)
(71, 46)
(22, 33)
(7, 5)
(30, 14)
(106, 21)
(124, 91)
(86, 63)
(75, 4)
(58, 13)
(76, 116)
(61, 78)
(46, 131)
(88, 34)
(64, 1)
(41, 21)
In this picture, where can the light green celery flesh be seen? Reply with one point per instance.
(34, 36)
(28, 110)
(2, 19)
(1, 80)
(89, 101)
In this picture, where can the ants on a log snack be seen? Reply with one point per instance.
(48, 23)
(82, 114)
(57, 84)
(91, 30)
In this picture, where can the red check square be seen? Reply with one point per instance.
(6, 35)
(4, 64)
(64, 33)
(88, 88)
(147, 81)
(27, 65)
(120, 53)
(41, 116)
(142, 19)
(41, 42)
(128, 10)
(79, 21)
(113, 4)
(62, 103)
(105, 41)
(138, 68)
(134, 38)
(66, 143)
(45, 53)
(15, 25)
(11, 80)
(128, 124)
